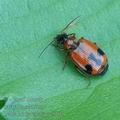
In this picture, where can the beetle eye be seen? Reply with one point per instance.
(65, 36)
(62, 38)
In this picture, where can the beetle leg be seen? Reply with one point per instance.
(86, 78)
(89, 82)
(65, 62)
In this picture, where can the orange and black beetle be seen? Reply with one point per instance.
(86, 55)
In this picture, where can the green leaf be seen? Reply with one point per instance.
(2, 102)
(37, 88)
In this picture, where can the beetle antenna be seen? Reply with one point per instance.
(46, 47)
(70, 24)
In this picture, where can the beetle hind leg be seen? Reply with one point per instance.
(89, 82)
(86, 78)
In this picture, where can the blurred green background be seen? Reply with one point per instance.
(26, 27)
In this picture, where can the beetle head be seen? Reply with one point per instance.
(61, 38)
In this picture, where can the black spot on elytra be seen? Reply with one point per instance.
(92, 57)
(88, 68)
(100, 51)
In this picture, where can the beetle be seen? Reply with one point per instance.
(87, 57)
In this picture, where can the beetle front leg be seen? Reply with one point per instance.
(66, 59)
